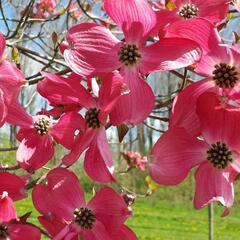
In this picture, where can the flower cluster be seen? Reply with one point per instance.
(106, 87)
(43, 9)
(204, 124)
(134, 159)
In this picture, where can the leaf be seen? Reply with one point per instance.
(54, 38)
(236, 37)
(152, 186)
(93, 191)
(24, 217)
(15, 55)
(221, 26)
(225, 212)
(230, 16)
(62, 11)
(87, 7)
(122, 131)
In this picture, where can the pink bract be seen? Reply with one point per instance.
(200, 31)
(18, 231)
(37, 137)
(177, 152)
(60, 91)
(23, 232)
(92, 50)
(7, 209)
(106, 210)
(12, 188)
(11, 81)
(13, 185)
(212, 10)
(125, 233)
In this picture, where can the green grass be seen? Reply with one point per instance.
(179, 221)
(161, 220)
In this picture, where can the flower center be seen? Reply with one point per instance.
(129, 54)
(84, 217)
(4, 234)
(42, 126)
(188, 10)
(91, 118)
(225, 76)
(219, 155)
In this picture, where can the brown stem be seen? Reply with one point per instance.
(10, 168)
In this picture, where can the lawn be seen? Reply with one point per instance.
(179, 221)
(161, 220)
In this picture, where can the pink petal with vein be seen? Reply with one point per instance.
(213, 185)
(139, 101)
(92, 49)
(175, 153)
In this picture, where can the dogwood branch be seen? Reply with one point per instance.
(22, 21)
(8, 149)
(9, 168)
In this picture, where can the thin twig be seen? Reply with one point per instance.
(164, 119)
(23, 20)
(153, 128)
(8, 149)
(9, 168)
(4, 18)
(26, 50)
(39, 77)
(85, 12)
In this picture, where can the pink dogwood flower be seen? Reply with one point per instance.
(48, 5)
(69, 92)
(93, 50)
(11, 81)
(10, 226)
(216, 153)
(100, 218)
(44, 8)
(17, 231)
(212, 10)
(74, 11)
(222, 70)
(38, 136)
(54, 225)
(134, 159)
(98, 162)
(12, 188)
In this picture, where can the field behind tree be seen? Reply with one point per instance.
(171, 220)
(179, 221)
